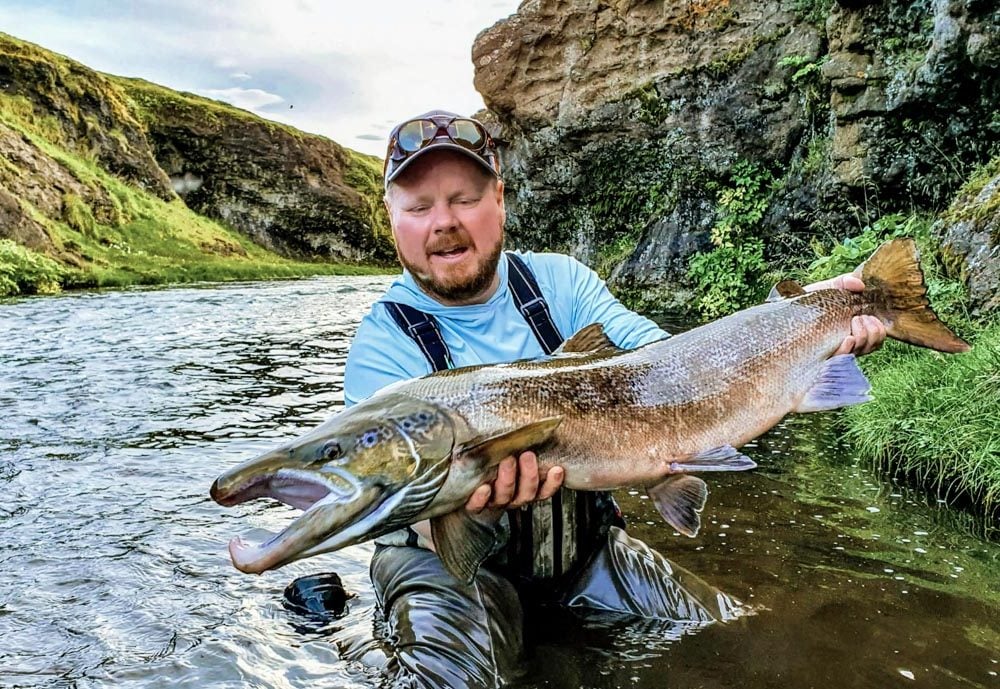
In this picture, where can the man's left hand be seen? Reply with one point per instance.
(867, 332)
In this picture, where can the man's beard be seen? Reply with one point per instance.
(454, 291)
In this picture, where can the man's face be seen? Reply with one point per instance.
(447, 218)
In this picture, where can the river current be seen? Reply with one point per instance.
(120, 408)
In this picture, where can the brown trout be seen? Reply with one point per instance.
(611, 418)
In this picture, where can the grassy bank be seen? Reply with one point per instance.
(84, 204)
(142, 240)
(113, 234)
(935, 419)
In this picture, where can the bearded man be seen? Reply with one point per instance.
(461, 301)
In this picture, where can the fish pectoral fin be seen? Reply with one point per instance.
(680, 500)
(786, 289)
(490, 450)
(722, 458)
(462, 543)
(590, 338)
(840, 384)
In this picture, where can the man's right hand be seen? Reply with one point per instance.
(518, 483)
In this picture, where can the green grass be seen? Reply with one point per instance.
(112, 234)
(143, 239)
(935, 418)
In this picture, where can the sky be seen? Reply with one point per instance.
(346, 69)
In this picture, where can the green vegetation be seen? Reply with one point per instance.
(139, 239)
(935, 418)
(731, 276)
(813, 11)
(973, 189)
(23, 271)
(103, 229)
(806, 78)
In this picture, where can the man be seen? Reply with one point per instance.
(462, 301)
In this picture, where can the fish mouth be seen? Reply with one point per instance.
(297, 489)
(330, 506)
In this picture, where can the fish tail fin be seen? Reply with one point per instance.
(894, 284)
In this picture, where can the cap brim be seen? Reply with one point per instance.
(438, 146)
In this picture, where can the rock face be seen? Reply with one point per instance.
(299, 194)
(970, 239)
(622, 121)
(292, 192)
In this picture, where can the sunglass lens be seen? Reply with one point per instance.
(467, 133)
(414, 135)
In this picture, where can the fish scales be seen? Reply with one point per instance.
(659, 403)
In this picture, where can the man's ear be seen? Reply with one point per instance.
(503, 208)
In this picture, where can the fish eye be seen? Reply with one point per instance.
(331, 450)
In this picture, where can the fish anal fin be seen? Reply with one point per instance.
(786, 289)
(590, 338)
(680, 499)
(490, 450)
(721, 458)
(840, 384)
(462, 543)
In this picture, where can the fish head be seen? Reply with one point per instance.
(367, 471)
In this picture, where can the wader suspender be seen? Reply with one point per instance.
(545, 536)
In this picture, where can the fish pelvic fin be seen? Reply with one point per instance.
(462, 543)
(680, 499)
(894, 284)
(491, 450)
(840, 383)
(722, 458)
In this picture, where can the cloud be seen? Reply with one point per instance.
(248, 99)
(346, 67)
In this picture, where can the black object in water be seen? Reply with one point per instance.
(317, 595)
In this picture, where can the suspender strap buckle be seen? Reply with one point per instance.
(422, 329)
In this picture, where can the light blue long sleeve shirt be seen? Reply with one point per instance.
(491, 332)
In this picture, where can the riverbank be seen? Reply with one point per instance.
(133, 237)
(110, 182)
(935, 420)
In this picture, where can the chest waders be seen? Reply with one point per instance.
(548, 539)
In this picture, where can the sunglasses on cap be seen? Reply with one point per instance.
(415, 135)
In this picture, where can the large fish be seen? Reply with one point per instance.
(645, 417)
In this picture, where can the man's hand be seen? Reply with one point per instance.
(518, 482)
(867, 332)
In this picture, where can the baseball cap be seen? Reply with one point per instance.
(436, 130)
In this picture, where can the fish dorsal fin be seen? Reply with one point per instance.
(590, 338)
(462, 543)
(490, 450)
(786, 289)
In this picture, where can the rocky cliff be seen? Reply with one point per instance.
(81, 152)
(293, 192)
(626, 123)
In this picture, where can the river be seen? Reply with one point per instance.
(121, 407)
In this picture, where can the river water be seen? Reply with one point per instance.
(120, 408)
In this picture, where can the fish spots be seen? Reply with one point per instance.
(372, 437)
(419, 423)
